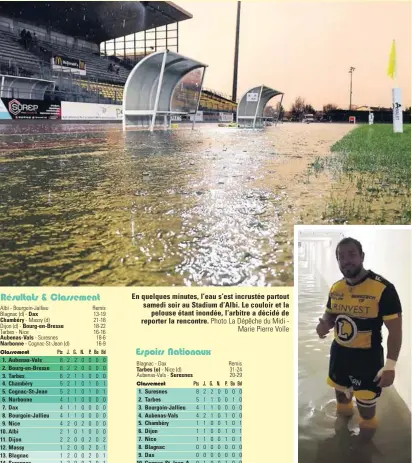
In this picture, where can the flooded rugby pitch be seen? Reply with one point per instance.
(91, 205)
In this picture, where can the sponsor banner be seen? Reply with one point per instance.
(252, 97)
(91, 112)
(4, 114)
(199, 116)
(225, 117)
(20, 108)
(397, 110)
(176, 118)
(65, 64)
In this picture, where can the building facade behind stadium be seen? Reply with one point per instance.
(84, 51)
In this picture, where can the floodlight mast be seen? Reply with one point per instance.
(350, 92)
(236, 63)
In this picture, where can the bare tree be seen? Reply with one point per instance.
(309, 109)
(280, 110)
(270, 111)
(329, 107)
(298, 107)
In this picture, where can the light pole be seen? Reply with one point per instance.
(350, 95)
(236, 63)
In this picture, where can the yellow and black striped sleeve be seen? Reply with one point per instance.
(390, 305)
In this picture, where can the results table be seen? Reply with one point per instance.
(53, 409)
(195, 425)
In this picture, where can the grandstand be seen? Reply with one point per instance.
(212, 100)
(98, 34)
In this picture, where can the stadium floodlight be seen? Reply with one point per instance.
(351, 69)
(236, 63)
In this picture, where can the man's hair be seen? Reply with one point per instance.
(349, 240)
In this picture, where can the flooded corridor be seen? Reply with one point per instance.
(324, 438)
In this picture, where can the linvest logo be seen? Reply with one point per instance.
(15, 107)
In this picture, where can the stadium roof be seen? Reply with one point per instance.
(95, 21)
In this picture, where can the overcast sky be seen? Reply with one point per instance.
(303, 49)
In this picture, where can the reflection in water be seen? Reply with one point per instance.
(103, 207)
(324, 438)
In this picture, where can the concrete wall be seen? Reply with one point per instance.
(387, 252)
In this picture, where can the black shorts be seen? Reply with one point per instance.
(356, 368)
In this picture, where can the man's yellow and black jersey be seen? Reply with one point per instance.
(361, 310)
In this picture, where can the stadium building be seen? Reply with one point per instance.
(84, 51)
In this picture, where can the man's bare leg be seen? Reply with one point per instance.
(344, 404)
(368, 422)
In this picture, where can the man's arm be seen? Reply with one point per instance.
(391, 311)
(394, 344)
(329, 319)
(327, 322)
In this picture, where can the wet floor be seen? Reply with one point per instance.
(90, 205)
(324, 438)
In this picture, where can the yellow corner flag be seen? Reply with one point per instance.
(392, 62)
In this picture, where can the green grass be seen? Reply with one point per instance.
(377, 163)
(377, 149)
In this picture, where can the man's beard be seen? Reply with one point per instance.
(351, 272)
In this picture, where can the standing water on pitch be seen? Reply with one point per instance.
(91, 205)
(103, 207)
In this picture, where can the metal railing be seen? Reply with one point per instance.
(220, 94)
(56, 96)
(44, 36)
(42, 45)
(12, 67)
(67, 87)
